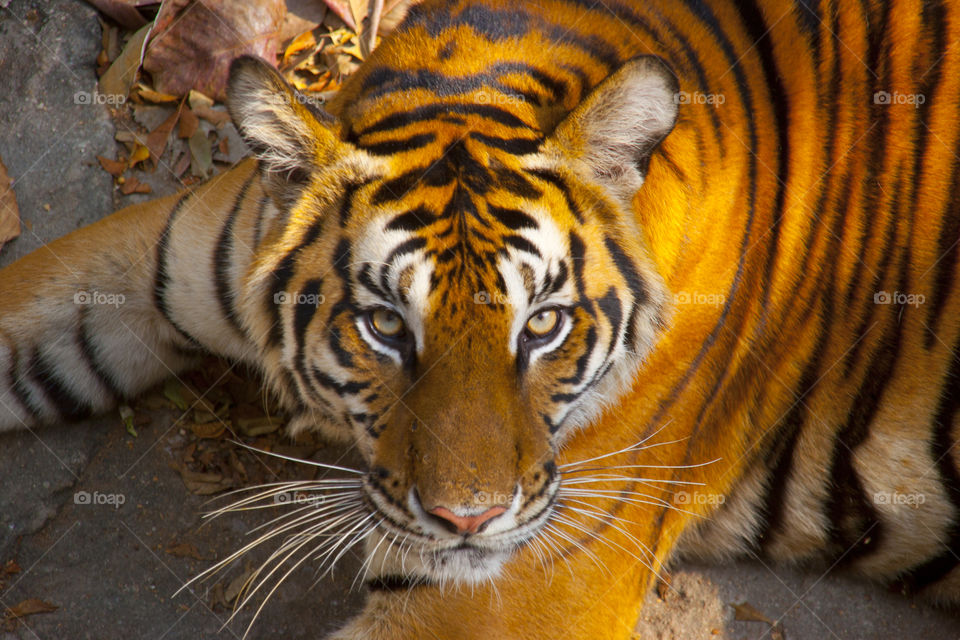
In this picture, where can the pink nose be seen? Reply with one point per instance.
(467, 524)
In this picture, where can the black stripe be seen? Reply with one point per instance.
(516, 146)
(432, 111)
(581, 365)
(162, 279)
(761, 36)
(941, 450)
(91, 358)
(512, 218)
(561, 185)
(522, 244)
(43, 373)
(390, 147)
(258, 221)
(223, 258)
(18, 389)
(352, 387)
(626, 267)
(412, 220)
(282, 274)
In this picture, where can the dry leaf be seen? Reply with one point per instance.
(132, 185)
(9, 211)
(209, 430)
(113, 167)
(748, 613)
(119, 78)
(194, 41)
(201, 154)
(156, 97)
(124, 12)
(236, 585)
(188, 123)
(140, 153)
(29, 607)
(157, 139)
(184, 550)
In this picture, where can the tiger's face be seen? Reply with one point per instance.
(454, 307)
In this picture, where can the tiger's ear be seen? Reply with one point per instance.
(285, 130)
(611, 135)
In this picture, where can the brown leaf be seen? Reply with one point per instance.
(188, 123)
(201, 154)
(157, 139)
(11, 568)
(113, 167)
(29, 607)
(194, 41)
(155, 97)
(184, 550)
(9, 211)
(208, 430)
(119, 78)
(748, 613)
(132, 185)
(124, 12)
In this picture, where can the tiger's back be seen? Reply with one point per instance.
(786, 272)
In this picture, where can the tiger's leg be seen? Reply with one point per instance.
(113, 308)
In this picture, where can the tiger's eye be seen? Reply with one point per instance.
(387, 323)
(543, 323)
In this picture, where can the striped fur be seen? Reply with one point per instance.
(746, 215)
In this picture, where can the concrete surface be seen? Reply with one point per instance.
(107, 569)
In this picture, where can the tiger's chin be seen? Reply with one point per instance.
(464, 564)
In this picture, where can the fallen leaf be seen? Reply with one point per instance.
(127, 415)
(748, 613)
(201, 154)
(119, 78)
(209, 430)
(113, 167)
(29, 607)
(9, 211)
(156, 97)
(174, 392)
(194, 41)
(184, 550)
(124, 12)
(157, 139)
(140, 153)
(188, 124)
(132, 185)
(302, 42)
(236, 585)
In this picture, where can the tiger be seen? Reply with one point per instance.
(551, 267)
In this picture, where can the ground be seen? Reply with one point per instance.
(111, 570)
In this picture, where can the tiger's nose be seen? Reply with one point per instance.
(465, 524)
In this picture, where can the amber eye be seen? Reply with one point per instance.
(543, 323)
(387, 323)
